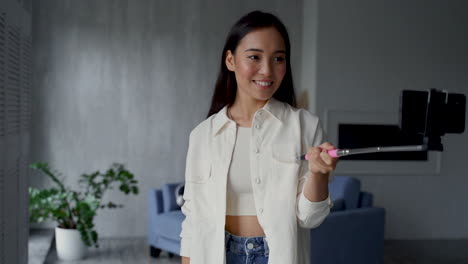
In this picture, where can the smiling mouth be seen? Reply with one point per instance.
(264, 84)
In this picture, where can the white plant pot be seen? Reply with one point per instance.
(69, 244)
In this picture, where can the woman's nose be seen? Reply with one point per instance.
(266, 68)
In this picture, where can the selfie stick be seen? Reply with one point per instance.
(335, 153)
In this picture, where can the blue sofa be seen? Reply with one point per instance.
(352, 233)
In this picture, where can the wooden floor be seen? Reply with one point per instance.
(135, 250)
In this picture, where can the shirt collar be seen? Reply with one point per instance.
(273, 107)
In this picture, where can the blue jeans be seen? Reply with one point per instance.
(245, 250)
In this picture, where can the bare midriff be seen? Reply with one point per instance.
(244, 225)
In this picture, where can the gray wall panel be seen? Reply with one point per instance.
(126, 81)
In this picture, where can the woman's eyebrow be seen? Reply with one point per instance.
(259, 50)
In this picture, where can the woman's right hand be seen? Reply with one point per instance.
(185, 260)
(320, 161)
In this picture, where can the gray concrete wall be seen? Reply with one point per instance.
(126, 81)
(368, 51)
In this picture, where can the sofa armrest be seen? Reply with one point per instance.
(338, 205)
(350, 236)
(155, 207)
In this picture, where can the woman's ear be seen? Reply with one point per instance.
(230, 64)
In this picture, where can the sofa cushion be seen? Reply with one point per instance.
(169, 197)
(169, 224)
(346, 188)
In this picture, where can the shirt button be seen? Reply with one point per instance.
(250, 246)
(260, 210)
(258, 181)
(260, 113)
(256, 150)
(257, 126)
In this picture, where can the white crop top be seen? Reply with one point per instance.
(239, 196)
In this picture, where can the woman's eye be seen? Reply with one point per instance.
(254, 57)
(280, 59)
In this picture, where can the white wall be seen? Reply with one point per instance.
(367, 52)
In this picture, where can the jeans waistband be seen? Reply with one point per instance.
(247, 245)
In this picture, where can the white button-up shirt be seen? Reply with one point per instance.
(281, 133)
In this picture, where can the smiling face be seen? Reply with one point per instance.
(259, 63)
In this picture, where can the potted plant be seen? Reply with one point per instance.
(74, 211)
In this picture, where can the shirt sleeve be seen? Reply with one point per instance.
(187, 226)
(311, 214)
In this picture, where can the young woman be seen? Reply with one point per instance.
(247, 198)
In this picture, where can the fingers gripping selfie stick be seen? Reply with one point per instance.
(429, 113)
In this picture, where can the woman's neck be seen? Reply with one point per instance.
(244, 109)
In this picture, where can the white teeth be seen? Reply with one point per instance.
(264, 83)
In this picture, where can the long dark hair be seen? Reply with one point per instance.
(226, 86)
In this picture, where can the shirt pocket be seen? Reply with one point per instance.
(284, 154)
(285, 165)
(284, 171)
(201, 174)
